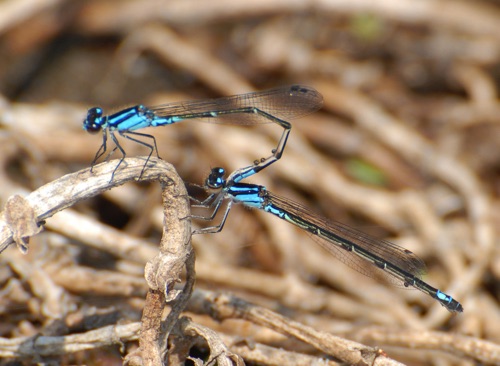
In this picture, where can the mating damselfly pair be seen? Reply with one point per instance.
(368, 255)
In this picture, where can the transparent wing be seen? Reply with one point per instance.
(285, 103)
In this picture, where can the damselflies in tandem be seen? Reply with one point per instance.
(274, 105)
(367, 255)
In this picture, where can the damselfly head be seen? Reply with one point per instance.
(216, 178)
(94, 120)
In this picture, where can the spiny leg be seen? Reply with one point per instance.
(99, 152)
(218, 228)
(119, 147)
(151, 148)
(215, 206)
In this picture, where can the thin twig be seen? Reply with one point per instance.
(224, 306)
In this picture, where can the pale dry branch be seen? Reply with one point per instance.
(224, 306)
(480, 351)
(40, 346)
(162, 272)
(479, 20)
